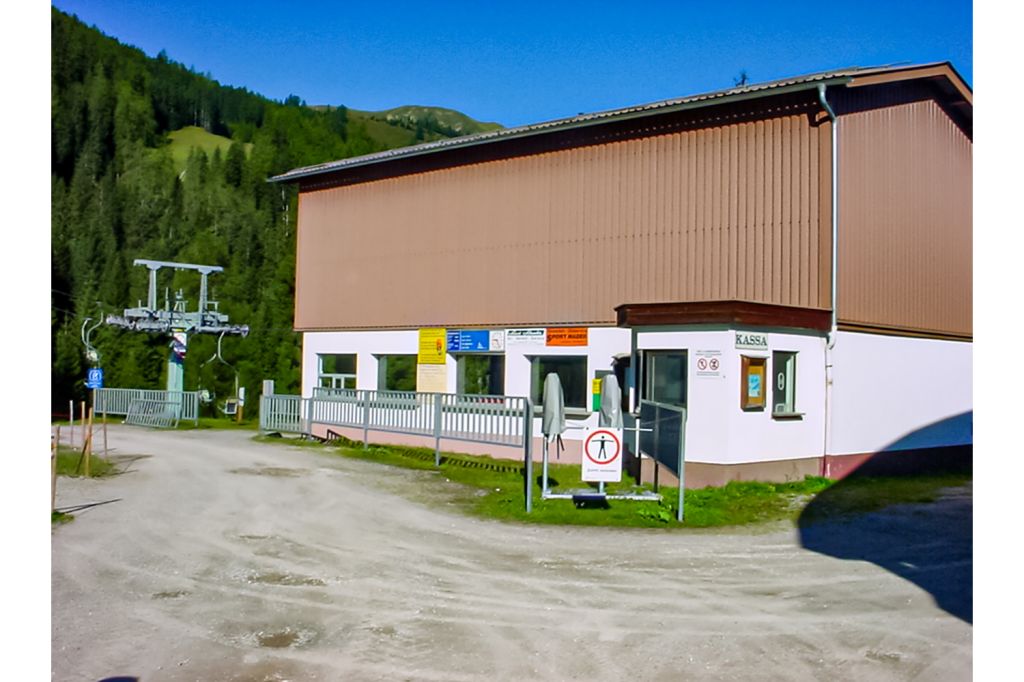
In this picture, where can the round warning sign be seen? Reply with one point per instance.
(602, 450)
(602, 446)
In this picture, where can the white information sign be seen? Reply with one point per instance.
(432, 378)
(602, 455)
(525, 337)
(708, 364)
(751, 341)
(497, 339)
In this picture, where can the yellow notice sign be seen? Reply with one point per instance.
(433, 346)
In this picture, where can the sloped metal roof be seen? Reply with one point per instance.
(753, 91)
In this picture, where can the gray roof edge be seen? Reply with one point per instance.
(755, 91)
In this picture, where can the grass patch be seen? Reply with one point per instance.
(229, 423)
(864, 494)
(68, 464)
(183, 140)
(493, 488)
(57, 518)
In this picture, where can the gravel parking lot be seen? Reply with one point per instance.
(228, 559)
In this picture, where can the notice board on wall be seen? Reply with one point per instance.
(753, 387)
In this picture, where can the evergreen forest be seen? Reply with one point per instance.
(152, 160)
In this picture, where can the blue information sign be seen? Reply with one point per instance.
(477, 340)
(469, 340)
(94, 378)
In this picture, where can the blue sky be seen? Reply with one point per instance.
(525, 62)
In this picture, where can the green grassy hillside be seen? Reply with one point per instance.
(182, 141)
(454, 121)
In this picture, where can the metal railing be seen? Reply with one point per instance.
(493, 420)
(158, 414)
(284, 414)
(119, 401)
(663, 438)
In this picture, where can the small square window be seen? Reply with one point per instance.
(481, 374)
(783, 383)
(396, 373)
(664, 376)
(572, 373)
(336, 371)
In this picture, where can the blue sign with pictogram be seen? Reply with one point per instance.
(94, 378)
(468, 340)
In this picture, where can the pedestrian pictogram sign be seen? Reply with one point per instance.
(94, 378)
(602, 455)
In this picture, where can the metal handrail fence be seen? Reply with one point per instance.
(159, 414)
(494, 420)
(662, 430)
(118, 401)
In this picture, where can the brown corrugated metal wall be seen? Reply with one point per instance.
(738, 211)
(905, 220)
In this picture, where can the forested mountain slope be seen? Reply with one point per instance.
(133, 177)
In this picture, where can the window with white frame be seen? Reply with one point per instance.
(572, 373)
(783, 383)
(336, 371)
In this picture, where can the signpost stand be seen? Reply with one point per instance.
(88, 445)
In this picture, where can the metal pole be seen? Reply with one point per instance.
(309, 417)
(437, 429)
(682, 463)
(528, 448)
(544, 476)
(88, 445)
(366, 419)
(71, 422)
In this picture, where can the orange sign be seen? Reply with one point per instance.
(566, 336)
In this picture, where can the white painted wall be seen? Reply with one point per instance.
(718, 431)
(603, 344)
(366, 345)
(887, 388)
(884, 388)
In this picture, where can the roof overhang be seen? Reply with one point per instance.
(730, 313)
(942, 74)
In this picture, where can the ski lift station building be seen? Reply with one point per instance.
(791, 261)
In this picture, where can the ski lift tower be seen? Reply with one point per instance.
(176, 320)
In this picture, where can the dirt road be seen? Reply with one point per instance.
(226, 559)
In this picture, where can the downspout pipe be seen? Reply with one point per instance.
(835, 211)
(830, 339)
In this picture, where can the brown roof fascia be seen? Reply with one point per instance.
(747, 313)
(944, 70)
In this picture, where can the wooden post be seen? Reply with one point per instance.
(81, 420)
(88, 445)
(53, 471)
(71, 422)
(105, 430)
